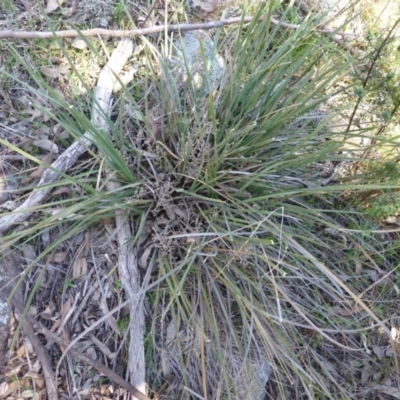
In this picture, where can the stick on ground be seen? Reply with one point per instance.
(337, 37)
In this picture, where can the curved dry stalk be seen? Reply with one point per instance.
(101, 105)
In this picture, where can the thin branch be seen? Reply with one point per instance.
(336, 36)
(130, 279)
(150, 11)
(370, 70)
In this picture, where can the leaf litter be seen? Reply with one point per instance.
(93, 282)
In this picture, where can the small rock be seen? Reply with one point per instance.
(103, 23)
(195, 54)
(251, 384)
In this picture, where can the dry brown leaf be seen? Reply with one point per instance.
(31, 374)
(27, 394)
(65, 336)
(28, 346)
(62, 190)
(52, 5)
(79, 268)
(46, 144)
(21, 351)
(79, 44)
(394, 220)
(3, 388)
(47, 313)
(39, 383)
(8, 388)
(63, 135)
(51, 73)
(55, 326)
(57, 129)
(36, 395)
(37, 366)
(65, 308)
(57, 257)
(38, 172)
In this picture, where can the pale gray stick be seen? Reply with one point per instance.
(130, 278)
(155, 29)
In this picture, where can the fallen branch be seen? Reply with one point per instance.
(130, 278)
(336, 36)
(101, 104)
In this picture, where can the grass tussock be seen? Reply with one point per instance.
(265, 270)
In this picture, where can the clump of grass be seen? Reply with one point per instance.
(254, 259)
(260, 263)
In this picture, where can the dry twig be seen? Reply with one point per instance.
(335, 36)
(130, 279)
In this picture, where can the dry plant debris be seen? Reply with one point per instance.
(89, 291)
